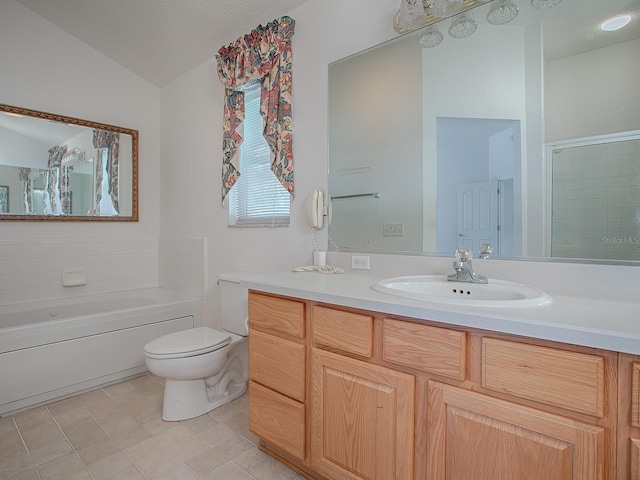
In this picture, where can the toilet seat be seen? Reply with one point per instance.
(187, 343)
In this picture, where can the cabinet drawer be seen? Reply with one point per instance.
(281, 314)
(635, 395)
(277, 363)
(351, 332)
(277, 419)
(432, 349)
(561, 378)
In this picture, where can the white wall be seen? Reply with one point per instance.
(608, 77)
(54, 72)
(46, 69)
(21, 151)
(191, 142)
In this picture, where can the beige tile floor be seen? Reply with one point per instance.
(117, 433)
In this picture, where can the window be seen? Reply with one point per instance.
(257, 199)
(105, 207)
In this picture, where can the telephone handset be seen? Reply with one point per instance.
(315, 209)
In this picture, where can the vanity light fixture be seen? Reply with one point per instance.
(431, 37)
(502, 12)
(544, 4)
(411, 14)
(615, 23)
(462, 26)
(445, 8)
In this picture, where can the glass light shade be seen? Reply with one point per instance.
(411, 14)
(542, 4)
(462, 26)
(502, 12)
(431, 37)
(444, 8)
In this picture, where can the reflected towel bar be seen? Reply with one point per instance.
(357, 195)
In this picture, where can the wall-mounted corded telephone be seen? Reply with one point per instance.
(315, 209)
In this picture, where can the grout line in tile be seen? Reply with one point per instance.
(75, 451)
(242, 470)
(24, 444)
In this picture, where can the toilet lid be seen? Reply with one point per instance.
(187, 343)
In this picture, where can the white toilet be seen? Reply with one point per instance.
(204, 368)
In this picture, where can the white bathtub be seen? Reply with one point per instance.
(52, 349)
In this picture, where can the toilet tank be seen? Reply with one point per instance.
(233, 303)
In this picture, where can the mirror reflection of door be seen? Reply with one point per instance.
(478, 169)
(477, 214)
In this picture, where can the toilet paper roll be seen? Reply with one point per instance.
(246, 323)
(319, 258)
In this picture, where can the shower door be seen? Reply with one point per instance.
(595, 198)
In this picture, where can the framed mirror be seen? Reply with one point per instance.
(57, 168)
(523, 135)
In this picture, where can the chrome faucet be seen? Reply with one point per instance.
(464, 269)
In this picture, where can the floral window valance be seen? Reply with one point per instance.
(55, 155)
(58, 180)
(264, 56)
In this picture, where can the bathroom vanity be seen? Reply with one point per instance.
(349, 383)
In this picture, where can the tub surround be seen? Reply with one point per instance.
(55, 348)
(598, 321)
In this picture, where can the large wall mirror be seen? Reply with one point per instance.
(524, 135)
(64, 169)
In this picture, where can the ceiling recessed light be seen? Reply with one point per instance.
(615, 23)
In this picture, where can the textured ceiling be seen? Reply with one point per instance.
(159, 39)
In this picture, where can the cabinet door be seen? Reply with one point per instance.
(476, 437)
(362, 419)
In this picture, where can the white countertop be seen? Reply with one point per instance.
(607, 322)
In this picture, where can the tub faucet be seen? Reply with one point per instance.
(464, 269)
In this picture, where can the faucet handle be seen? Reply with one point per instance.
(463, 254)
(485, 250)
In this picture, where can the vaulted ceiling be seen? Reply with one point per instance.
(159, 40)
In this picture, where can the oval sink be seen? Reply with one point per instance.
(436, 288)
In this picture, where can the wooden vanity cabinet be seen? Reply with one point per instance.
(395, 398)
(629, 417)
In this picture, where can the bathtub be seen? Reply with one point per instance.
(52, 349)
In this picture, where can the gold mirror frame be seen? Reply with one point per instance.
(89, 124)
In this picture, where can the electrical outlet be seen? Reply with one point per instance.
(393, 229)
(360, 262)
